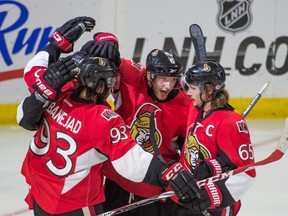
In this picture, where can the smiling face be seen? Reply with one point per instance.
(162, 85)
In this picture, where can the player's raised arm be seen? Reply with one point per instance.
(62, 41)
(47, 89)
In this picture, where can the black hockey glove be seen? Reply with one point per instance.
(71, 31)
(49, 83)
(181, 182)
(80, 58)
(213, 166)
(210, 198)
(104, 45)
(207, 168)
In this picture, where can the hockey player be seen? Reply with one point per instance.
(65, 176)
(151, 104)
(76, 133)
(218, 140)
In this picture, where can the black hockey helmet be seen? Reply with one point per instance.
(163, 63)
(93, 69)
(208, 71)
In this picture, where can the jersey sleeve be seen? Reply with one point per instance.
(234, 140)
(39, 63)
(129, 159)
(34, 68)
(235, 145)
(131, 72)
(129, 82)
(29, 113)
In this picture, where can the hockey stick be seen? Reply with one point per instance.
(256, 98)
(152, 137)
(140, 203)
(198, 40)
(200, 50)
(276, 155)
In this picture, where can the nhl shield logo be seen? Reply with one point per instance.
(234, 15)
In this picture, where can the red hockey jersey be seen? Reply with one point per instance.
(135, 106)
(222, 131)
(64, 163)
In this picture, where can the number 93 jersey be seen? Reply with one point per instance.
(64, 162)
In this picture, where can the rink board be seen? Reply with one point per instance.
(265, 108)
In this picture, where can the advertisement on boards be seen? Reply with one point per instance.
(248, 37)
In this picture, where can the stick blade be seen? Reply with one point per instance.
(283, 142)
(198, 40)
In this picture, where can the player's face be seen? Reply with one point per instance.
(163, 85)
(194, 93)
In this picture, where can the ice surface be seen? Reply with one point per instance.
(268, 196)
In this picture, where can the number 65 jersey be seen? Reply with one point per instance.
(65, 159)
(220, 136)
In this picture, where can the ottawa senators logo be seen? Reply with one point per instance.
(194, 149)
(141, 128)
(234, 15)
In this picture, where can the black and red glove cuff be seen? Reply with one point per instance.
(214, 194)
(170, 172)
(64, 45)
(105, 36)
(207, 168)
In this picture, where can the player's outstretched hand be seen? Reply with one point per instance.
(70, 32)
(49, 83)
(104, 45)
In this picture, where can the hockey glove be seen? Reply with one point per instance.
(213, 166)
(207, 168)
(210, 198)
(49, 83)
(104, 45)
(181, 182)
(80, 58)
(71, 31)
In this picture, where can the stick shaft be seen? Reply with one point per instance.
(140, 203)
(255, 100)
(274, 156)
